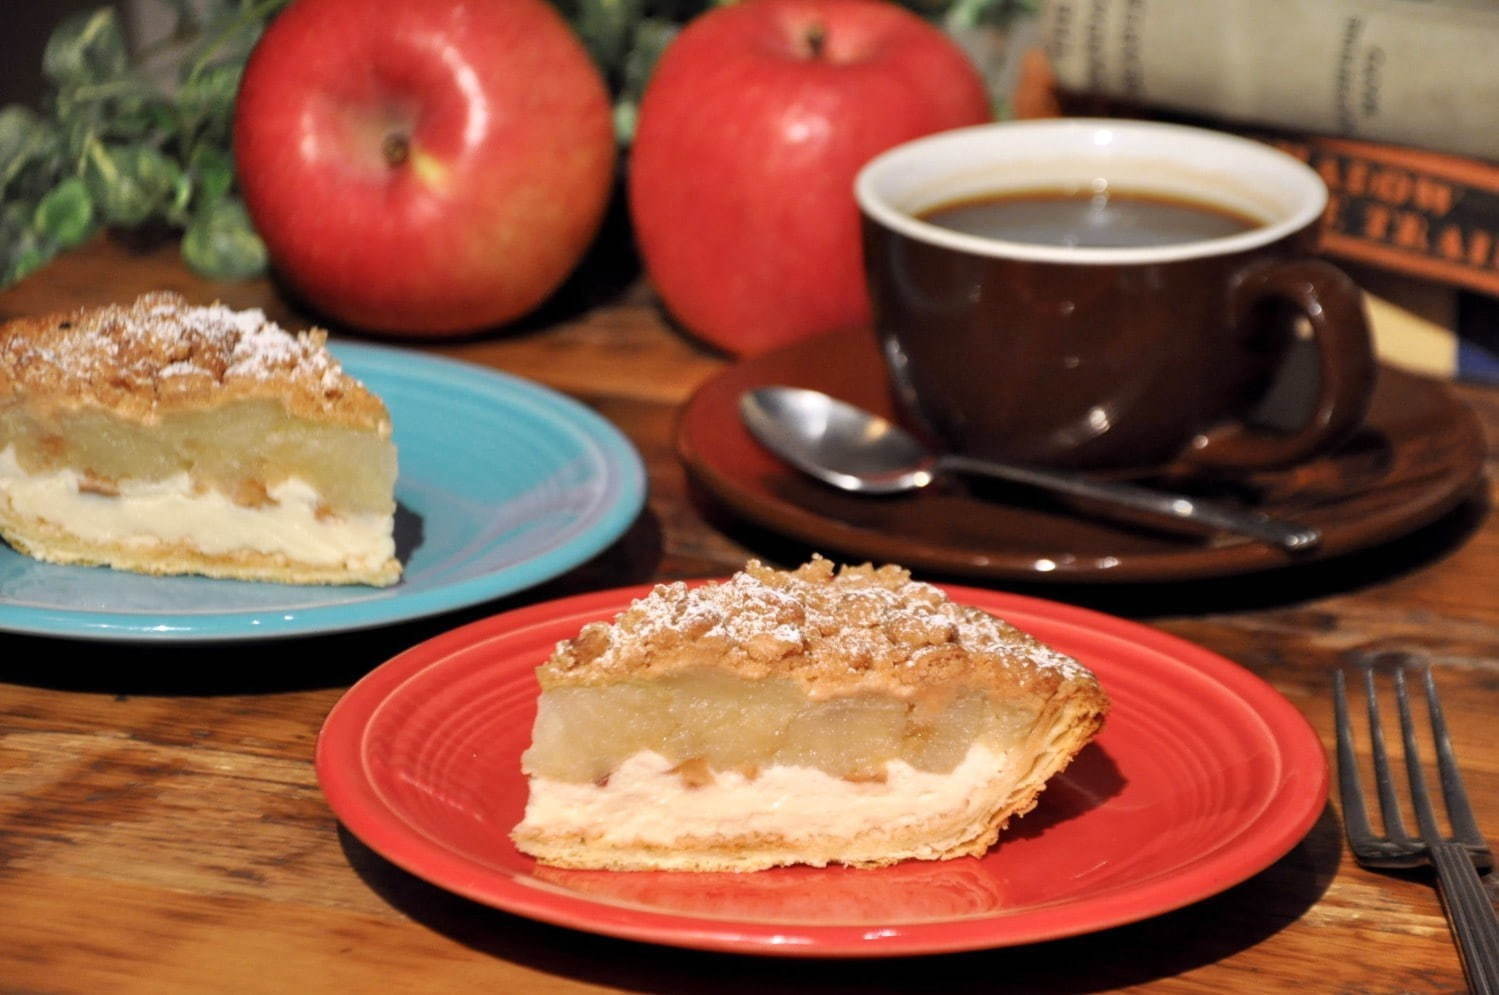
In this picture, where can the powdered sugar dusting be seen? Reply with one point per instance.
(860, 625)
(160, 339)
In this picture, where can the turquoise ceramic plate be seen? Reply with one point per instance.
(504, 484)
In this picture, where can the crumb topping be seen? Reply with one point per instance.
(833, 631)
(160, 353)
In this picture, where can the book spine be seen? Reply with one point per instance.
(1407, 210)
(1413, 73)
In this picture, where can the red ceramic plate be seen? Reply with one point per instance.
(1202, 776)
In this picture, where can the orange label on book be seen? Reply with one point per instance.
(1424, 213)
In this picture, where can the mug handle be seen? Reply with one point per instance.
(1333, 306)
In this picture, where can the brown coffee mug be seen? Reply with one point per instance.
(1110, 357)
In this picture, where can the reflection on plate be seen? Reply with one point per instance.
(1419, 455)
(1202, 776)
(504, 484)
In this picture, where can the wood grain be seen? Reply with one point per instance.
(161, 828)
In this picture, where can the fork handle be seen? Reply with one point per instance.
(1471, 915)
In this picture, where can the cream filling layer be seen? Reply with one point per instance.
(158, 512)
(644, 803)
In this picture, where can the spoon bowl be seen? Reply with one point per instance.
(837, 443)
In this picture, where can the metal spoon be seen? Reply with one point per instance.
(854, 450)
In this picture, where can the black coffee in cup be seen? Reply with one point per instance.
(1089, 219)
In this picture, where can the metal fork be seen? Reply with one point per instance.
(1457, 858)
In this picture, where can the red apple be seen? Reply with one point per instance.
(423, 166)
(750, 133)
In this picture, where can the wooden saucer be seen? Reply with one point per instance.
(1419, 454)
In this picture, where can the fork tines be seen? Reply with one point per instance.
(1396, 847)
(1457, 858)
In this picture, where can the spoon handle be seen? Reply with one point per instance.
(1178, 507)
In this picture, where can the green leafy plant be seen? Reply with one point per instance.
(132, 141)
(142, 140)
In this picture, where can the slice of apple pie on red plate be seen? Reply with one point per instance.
(815, 716)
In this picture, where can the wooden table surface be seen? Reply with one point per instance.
(161, 828)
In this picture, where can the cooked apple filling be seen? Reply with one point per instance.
(732, 723)
(242, 449)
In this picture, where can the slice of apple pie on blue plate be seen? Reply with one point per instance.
(166, 438)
